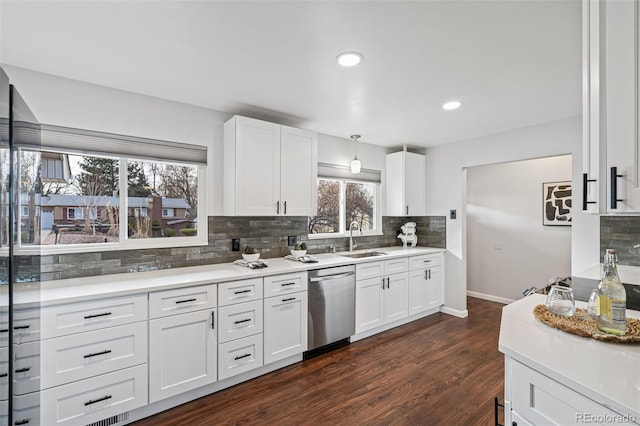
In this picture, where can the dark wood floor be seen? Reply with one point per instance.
(440, 370)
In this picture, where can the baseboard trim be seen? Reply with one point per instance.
(490, 298)
(455, 312)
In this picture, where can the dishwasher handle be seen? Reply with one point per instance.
(330, 277)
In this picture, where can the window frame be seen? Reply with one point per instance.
(124, 242)
(167, 209)
(344, 232)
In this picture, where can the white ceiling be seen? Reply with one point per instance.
(512, 63)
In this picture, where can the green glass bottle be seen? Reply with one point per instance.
(612, 298)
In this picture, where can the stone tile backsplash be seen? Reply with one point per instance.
(621, 233)
(267, 234)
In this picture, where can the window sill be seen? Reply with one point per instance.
(103, 247)
(343, 235)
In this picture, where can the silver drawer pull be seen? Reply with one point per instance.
(242, 356)
(108, 351)
(23, 370)
(21, 327)
(289, 299)
(93, 401)
(105, 314)
(241, 321)
(287, 284)
(185, 301)
(242, 291)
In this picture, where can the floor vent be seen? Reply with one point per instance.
(113, 420)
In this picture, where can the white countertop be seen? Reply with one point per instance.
(576, 362)
(89, 288)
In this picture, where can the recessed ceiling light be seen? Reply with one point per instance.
(349, 59)
(451, 105)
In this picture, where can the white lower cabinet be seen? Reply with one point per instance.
(540, 400)
(95, 399)
(381, 300)
(239, 356)
(285, 326)
(182, 352)
(426, 283)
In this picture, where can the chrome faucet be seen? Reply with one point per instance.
(352, 244)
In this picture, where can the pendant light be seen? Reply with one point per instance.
(355, 163)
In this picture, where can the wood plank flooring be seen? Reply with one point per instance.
(439, 370)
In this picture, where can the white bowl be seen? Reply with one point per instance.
(298, 253)
(251, 257)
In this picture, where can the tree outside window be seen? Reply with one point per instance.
(340, 202)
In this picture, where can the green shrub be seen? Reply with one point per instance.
(188, 232)
(169, 232)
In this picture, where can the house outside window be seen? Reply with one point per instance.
(24, 211)
(167, 213)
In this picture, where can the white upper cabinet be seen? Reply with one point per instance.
(269, 169)
(405, 184)
(611, 148)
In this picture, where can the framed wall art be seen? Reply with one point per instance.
(556, 207)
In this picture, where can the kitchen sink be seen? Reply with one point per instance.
(367, 254)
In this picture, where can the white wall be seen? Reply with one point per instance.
(446, 190)
(505, 234)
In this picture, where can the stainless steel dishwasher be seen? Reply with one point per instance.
(332, 317)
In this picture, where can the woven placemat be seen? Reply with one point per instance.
(583, 325)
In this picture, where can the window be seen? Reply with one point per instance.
(74, 213)
(87, 208)
(341, 202)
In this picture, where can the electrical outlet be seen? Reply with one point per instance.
(452, 214)
(292, 240)
(235, 244)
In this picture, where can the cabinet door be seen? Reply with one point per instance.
(257, 167)
(298, 172)
(418, 291)
(285, 326)
(435, 287)
(622, 50)
(415, 184)
(182, 353)
(396, 302)
(369, 303)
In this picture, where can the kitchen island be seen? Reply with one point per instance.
(553, 377)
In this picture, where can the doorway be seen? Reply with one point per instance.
(509, 247)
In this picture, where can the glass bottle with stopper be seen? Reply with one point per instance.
(612, 298)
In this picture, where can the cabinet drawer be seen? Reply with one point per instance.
(95, 399)
(182, 300)
(240, 355)
(425, 261)
(26, 368)
(87, 316)
(81, 356)
(394, 266)
(241, 320)
(26, 410)
(369, 270)
(239, 291)
(26, 326)
(283, 284)
(541, 400)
